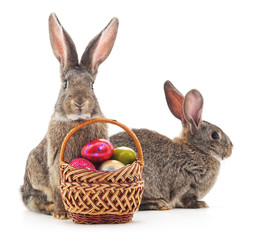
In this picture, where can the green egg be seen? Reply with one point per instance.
(125, 155)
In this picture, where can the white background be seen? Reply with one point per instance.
(208, 45)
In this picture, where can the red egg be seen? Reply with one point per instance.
(82, 163)
(97, 150)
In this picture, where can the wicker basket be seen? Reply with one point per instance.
(94, 196)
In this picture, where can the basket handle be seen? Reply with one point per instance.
(105, 120)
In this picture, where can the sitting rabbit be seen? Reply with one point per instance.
(179, 172)
(76, 103)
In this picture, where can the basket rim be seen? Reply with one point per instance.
(83, 170)
(68, 173)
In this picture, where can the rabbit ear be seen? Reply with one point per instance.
(175, 101)
(100, 47)
(62, 44)
(193, 107)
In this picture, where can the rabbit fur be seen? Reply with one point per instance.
(179, 172)
(76, 103)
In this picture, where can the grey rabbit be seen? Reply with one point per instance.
(76, 103)
(180, 172)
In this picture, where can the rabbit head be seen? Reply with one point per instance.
(203, 135)
(77, 100)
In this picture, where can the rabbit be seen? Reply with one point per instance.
(178, 173)
(76, 103)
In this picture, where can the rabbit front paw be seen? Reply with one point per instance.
(155, 204)
(201, 204)
(61, 215)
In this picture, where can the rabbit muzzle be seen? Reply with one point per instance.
(80, 108)
(228, 151)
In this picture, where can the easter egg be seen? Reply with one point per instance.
(111, 165)
(82, 163)
(124, 154)
(97, 150)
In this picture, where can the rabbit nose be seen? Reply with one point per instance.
(78, 105)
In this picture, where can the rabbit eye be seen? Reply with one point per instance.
(65, 84)
(215, 135)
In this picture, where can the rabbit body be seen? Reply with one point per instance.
(40, 190)
(75, 104)
(179, 172)
(176, 174)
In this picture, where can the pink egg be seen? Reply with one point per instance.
(82, 163)
(97, 150)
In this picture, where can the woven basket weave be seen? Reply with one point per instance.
(94, 196)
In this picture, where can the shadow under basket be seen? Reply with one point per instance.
(96, 196)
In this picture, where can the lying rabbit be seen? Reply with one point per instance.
(76, 102)
(181, 171)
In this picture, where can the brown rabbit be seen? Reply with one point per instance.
(76, 102)
(179, 172)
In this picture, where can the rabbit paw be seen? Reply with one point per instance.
(192, 203)
(166, 208)
(201, 204)
(61, 215)
(156, 204)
